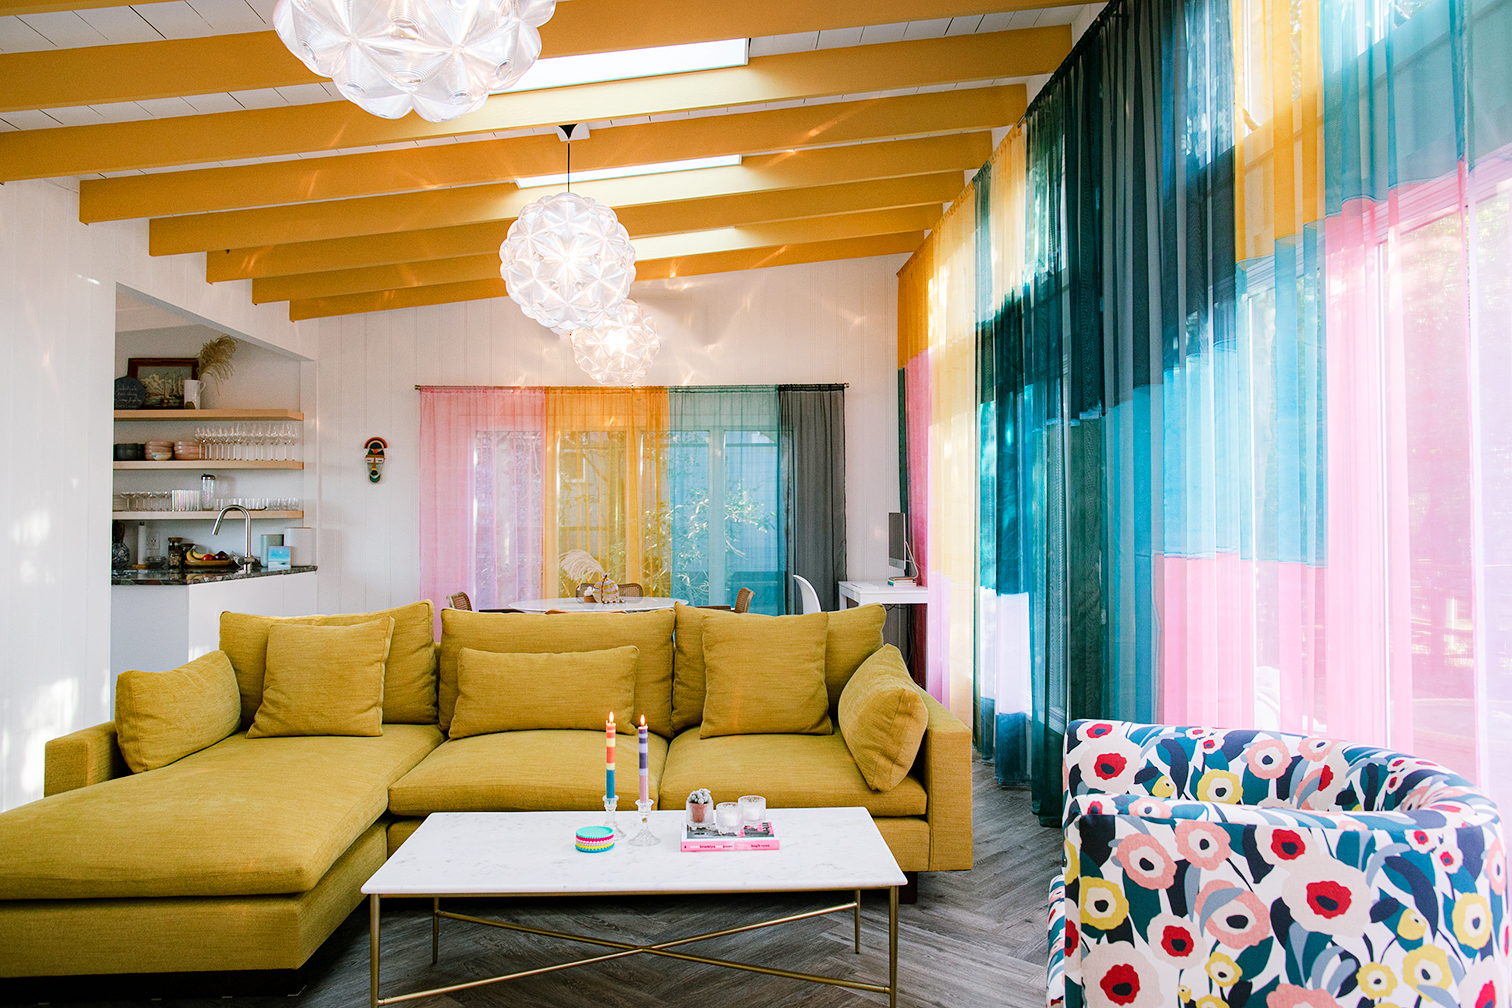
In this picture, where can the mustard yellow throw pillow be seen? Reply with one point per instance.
(765, 675)
(499, 692)
(409, 676)
(161, 717)
(882, 719)
(323, 680)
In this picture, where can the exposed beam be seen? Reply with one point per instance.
(715, 262)
(96, 75)
(641, 221)
(473, 204)
(445, 165)
(486, 266)
(253, 133)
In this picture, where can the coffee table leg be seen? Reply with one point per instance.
(892, 947)
(373, 914)
(858, 922)
(435, 930)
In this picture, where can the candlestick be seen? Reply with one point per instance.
(645, 771)
(609, 757)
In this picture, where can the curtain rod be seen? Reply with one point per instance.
(1114, 8)
(606, 388)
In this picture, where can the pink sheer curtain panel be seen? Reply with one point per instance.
(481, 499)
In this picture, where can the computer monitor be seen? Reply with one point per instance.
(897, 541)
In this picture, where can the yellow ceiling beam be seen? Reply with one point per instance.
(714, 262)
(640, 221)
(444, 165)
(137, 71)
(96, 75)
(253, 133)
(237, 229)
(486, 266)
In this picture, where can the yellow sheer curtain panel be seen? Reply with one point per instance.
(604, 486)
(1278, 184)
(1005, 210)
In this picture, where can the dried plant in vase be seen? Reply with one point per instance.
(580, 566)
(215, 359)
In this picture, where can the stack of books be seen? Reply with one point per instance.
(748, 836)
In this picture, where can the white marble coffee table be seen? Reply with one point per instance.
(533, 854)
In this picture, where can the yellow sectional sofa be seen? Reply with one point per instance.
(247, 853)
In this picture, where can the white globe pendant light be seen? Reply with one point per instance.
(441, 58)
(620, 351)
(567, 261)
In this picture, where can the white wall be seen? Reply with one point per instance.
(826, 322)
(57, 350)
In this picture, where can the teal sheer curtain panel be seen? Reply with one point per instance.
(725, 506)
(813, 462)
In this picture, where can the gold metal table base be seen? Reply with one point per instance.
(661, 948)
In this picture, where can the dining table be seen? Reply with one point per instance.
(648, 603)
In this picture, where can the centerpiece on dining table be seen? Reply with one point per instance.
(593, 584)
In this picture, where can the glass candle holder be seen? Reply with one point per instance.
(753, 808)
(727, 816)
(644, 838)
(611, 802)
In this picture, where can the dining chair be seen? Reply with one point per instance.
(460, 601)
(809, 596)
(743, 600)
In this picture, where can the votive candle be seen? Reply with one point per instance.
(609, 757)
(645, 771)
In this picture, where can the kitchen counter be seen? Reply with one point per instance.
(196, 575)
(179, 619)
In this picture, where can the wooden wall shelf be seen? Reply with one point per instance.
(192, 415)
(210, 464)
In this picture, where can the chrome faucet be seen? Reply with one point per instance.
(248, 560)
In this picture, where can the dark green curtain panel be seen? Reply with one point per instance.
(1130, 267)
(813, 459)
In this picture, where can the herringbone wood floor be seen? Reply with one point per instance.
(975, 938)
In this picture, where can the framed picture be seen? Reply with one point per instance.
(163, 378)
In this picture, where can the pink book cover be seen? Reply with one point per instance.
(751, 836)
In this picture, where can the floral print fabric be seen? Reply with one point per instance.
(1207, 868)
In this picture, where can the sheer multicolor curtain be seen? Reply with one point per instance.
(1244, 447)
(679, 490)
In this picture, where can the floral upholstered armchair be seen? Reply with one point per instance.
(1207, 868)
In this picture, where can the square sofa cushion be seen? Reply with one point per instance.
(791, 771)
(523, 771)
(409, 675)
(324, 680)
(882, 719)
(520, 692)
(162, 717)
(557, 633)
(852, 636)
(765, 675)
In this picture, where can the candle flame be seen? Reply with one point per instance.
(643, 720)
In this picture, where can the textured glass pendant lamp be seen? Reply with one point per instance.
(618, 352)
(441, 58)
(567, 260)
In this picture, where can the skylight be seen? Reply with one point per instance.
(563, 71)
(659, 168)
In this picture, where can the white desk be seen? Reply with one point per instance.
(882, 593)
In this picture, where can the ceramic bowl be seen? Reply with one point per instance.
(130, 452)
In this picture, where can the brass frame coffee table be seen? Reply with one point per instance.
(480, 854)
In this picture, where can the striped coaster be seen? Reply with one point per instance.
(595, 839)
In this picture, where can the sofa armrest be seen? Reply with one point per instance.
(85, 757)
(944, 766)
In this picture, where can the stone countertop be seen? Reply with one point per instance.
(195, 576)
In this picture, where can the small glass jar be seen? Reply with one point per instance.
(727, 816)
(207, 492)
(176, 552)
